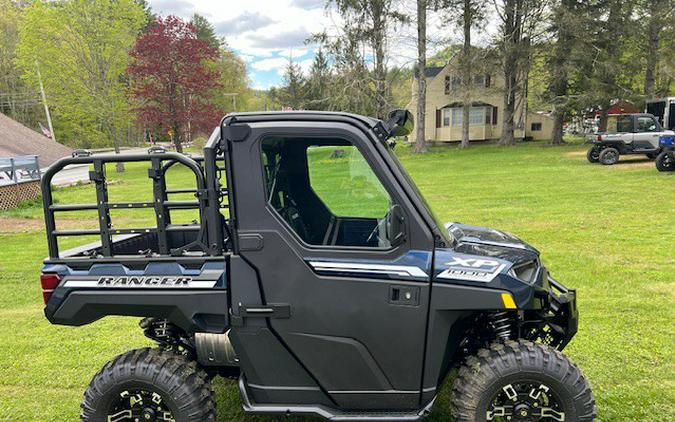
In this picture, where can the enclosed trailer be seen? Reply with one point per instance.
(664, 110)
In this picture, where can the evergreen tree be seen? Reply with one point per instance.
(318, 83)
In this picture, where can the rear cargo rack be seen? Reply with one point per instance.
(209, 194)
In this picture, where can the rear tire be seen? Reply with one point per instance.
(665, 161)
(593, 155)
(145, 384)
(609, 156)
(523, 380)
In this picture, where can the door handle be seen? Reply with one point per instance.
(272, 310)
(404, 295)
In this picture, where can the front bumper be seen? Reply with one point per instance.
(556, 323)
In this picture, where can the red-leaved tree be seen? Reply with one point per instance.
(171, 78)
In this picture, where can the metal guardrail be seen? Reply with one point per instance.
(17, 169)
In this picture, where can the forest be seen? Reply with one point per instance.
(114, 73)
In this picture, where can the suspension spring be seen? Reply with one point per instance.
(502, 324)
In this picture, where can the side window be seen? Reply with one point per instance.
(326, 192)
(619, 124)
(646, 124)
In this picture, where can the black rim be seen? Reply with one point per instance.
(138, 405)
(525, 401)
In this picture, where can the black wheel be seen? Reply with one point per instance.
(665, 161)
(521, 381)
(593, 155)
(609, 156)
(147, 385)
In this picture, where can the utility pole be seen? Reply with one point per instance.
(44, 102)
(233, 95)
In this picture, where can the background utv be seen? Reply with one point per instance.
(328, 290)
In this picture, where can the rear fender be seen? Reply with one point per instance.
(193, 299)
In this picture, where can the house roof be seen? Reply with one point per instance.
(17, 139)
(431, 72)
(457, 104)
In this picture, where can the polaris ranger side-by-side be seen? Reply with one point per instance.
(319, 276)
(626, 134)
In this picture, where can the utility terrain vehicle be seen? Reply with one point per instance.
(665, 161)
(317, 274)
(626, 134)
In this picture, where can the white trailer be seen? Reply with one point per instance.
(664, 110)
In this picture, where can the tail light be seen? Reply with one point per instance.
(48, 282)
(599, 138)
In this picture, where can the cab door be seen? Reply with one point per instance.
(345, 294)
(647, 132)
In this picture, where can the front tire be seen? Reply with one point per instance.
(609, 156)
(593, 155)
(521, 381)
(665, 161)
(149, 384)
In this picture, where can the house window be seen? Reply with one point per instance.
(536, 127)
(476, 116)
(447, 85)
(456, 83)
(446, 117)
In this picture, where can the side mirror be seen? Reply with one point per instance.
(396, 225)
(400, 123)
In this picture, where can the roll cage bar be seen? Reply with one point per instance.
(213, 228)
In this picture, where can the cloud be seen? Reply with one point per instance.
(277, 63)
(309, 4)
(282, 40)
(173, 7)
(247, 21)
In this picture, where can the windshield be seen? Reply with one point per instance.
(411, 183)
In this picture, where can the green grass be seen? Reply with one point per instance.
(608, 231)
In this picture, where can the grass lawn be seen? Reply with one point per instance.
(608, 231)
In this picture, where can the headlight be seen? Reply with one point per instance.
(526, 272)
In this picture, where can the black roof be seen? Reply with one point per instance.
(431, 72)
(311, 115)
(457, 104)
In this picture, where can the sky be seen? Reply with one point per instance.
(265, 33)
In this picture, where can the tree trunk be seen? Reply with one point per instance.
(558, 65)
(420, 137)
(652, 53)
(177, 138)
(380, 71)
(466, 74)
(512, 27)
(557, 132)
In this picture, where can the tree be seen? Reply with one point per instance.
(292, 94)
(467, 13)
(657, 14)
(564, 26)
(232, 93)
(173, 79)
(420, 141)
(369, 21)
(205, 31)
(81, 50)
(318, 82)
(518, 21)
(17, 99)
